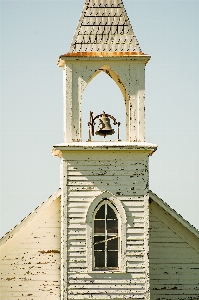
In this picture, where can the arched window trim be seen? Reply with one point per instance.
(116, 204)
(119, 79)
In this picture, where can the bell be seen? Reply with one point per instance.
(104, 127)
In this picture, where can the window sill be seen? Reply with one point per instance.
(106, 271)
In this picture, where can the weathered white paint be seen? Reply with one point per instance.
(87, 173)
(173, 254)
(30, 258)
(91, 170)
(30, 255)
(128, 74)
(31, 266)
(104, 41)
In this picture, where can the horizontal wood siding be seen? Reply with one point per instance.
(174, 258)
(125, 175)
(30, 264)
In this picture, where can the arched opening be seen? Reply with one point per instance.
(103, 94)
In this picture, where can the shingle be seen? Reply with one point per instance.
(104, 26)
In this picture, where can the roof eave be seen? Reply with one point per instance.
(173, 213)
(29, 217)
(102, 55)
(58, 150)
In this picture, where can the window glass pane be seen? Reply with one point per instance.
(112, 226)
(99, 243)
(112, 244)
(110, 213)
(99, 226)
(101, 213)
(99, 258)
(112, 259)
(105, 238)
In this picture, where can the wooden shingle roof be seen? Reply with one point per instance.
(104, 27)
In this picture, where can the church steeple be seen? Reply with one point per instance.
(105, 208)
(104, 41)
(104, 27)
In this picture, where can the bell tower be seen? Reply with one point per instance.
(105, 212)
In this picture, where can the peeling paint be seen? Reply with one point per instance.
(49, 251)
(9, 279)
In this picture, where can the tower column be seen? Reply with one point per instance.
(68, 101)
(136, 106)
(72, 96)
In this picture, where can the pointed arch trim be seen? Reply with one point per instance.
(106, 196)
(114, 76)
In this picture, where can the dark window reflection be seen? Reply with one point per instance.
(99, 226)
(99, 259)
(112, 226)
(112, 244)
(112, 259)
(106, 240)
(110, 213)
(101, 213)
(99, 243)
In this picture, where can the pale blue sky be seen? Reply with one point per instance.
(33, 35)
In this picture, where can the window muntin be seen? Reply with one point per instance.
(106, 239)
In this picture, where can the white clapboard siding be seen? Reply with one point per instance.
(173, 257)
(30, 258)
(87, 175)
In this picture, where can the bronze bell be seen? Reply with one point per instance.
(104, 127)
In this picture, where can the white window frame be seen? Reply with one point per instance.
(115, 203)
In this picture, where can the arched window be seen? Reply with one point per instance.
(106, 237)
(106, 234)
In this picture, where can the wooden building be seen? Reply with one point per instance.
(104, 234)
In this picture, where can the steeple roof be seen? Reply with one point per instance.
(104, 27)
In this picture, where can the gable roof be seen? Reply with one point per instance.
(104, 27)
(57, 194)
(38, 211)
(173, 213)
